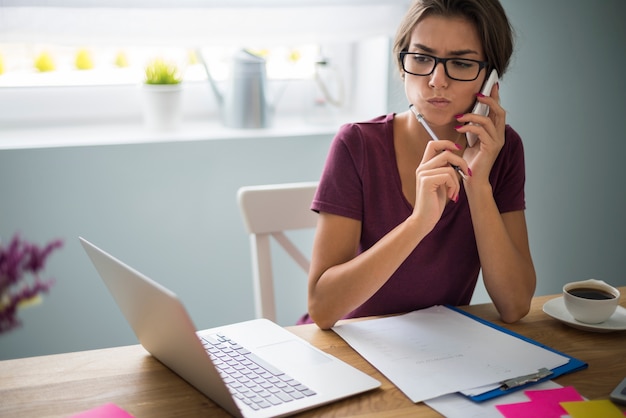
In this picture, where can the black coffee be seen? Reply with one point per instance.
(588, 293)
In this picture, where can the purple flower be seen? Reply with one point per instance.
(20, 266)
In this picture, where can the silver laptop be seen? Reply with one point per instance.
(251, 369)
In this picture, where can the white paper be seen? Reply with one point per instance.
(437, 351)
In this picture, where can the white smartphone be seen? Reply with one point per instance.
(619, 393)
(481, 108)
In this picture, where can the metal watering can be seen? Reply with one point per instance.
(244, 104)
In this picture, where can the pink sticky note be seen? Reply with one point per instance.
(543, 403)
(531, 409)
(105, 411)
(556, 395)
(592, 409)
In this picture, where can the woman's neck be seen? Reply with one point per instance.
(426, 130)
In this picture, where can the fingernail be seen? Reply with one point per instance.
(457, 146)
(458, 126)
(469, 171)
(460, 115)
(498, 86)
(479, 94)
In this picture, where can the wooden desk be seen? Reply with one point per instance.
(65, 384)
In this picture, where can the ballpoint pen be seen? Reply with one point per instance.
(432, 134)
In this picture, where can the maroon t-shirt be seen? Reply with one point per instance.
(361, 181)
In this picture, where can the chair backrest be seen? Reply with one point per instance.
(268, 211)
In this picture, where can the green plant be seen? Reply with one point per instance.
(159, 71)
(44, 62)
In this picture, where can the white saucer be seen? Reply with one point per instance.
(556, 309)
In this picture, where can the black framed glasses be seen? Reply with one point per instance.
(461, 69)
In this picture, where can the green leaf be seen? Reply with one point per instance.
(159, 71)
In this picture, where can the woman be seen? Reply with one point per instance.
(399, 229)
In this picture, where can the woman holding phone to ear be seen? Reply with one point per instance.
(399, 229)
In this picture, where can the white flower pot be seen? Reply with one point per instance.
(162, 106)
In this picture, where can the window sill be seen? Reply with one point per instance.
(137, 133)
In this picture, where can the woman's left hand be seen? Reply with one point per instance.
(490, 132)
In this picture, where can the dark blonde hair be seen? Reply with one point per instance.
(488, 16)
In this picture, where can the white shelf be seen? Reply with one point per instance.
(137, 133)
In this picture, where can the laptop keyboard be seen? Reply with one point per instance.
(251, 379)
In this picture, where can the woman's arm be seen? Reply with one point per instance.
(506, 262)
(339, 279)
(502, 239)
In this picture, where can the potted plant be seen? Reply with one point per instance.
(162, 94)
(21, 284)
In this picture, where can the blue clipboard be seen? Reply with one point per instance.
(573, 365)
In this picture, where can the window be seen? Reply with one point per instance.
(97, 50)
(80, 64)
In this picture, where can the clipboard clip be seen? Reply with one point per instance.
(522, 380)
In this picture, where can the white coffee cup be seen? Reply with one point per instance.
(590, 301)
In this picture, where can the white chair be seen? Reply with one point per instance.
(268, 210)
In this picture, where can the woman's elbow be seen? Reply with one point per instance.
(324, 325)
(514, 314)
(320, 315)
(322, 321)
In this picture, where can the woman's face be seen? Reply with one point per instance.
(438, 97)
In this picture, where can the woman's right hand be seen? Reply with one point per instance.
(436, 181)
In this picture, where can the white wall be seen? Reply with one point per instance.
(169, 209)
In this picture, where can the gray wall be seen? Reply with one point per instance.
(565, 95)
(170, 211)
